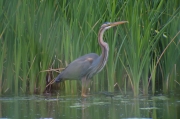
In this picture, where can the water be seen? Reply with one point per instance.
(93, 107)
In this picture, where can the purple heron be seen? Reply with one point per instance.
(85, 67)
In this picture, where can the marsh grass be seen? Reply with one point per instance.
(33, 34)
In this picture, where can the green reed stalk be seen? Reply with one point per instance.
(3, 51)
(18, 46)
(67, 45)
(2, 59)
(153, 74)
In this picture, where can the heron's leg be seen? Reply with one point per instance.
(85, 84)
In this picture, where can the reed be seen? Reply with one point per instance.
(170, 47)
(33, 34)
(142, 44)
(138, 46)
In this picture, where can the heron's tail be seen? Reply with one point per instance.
(58, 78)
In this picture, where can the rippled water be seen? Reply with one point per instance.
(93, 107)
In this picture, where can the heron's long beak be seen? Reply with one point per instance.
(117, 23)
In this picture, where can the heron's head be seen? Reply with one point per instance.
(108, 25)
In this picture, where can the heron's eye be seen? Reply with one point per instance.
(107, 23)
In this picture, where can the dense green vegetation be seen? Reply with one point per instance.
(144, 54)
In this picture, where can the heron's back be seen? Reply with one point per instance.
(79, 67)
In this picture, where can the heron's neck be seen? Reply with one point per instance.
(104, 47)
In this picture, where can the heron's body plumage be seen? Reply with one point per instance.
(79, 67)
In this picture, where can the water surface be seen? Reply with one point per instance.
(93, 107)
